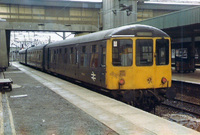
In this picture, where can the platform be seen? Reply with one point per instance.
(188, 77)
(55, 106)
(5, 83)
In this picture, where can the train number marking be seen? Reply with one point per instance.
(114, 74)
(149, 80)
(93, 76)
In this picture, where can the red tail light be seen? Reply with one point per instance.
(164, 80)
(121, 82)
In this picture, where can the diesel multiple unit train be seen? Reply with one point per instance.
(132, 62)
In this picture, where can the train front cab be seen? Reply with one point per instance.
(138, 64)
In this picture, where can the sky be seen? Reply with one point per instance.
(35, 38)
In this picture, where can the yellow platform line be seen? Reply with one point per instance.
(10, 117)
(1, 116)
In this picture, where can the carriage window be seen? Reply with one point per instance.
(54, 56)
(39, 57)
(94, 56)
(94, 48)
(72, 50)
(83, 49)
(122, 52)
(65, 50)
(162, 52)
(103, 61)
(83, 57)
(72, 56)
(144, 52)
(65, 56)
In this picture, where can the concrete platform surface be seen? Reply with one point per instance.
(33, 109)
(115, 117)
(187, 77)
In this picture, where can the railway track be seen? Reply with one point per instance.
(182, 105)
(186, 88)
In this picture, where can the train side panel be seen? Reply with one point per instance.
(35, 57)
(60, 60)
(84, 62)
(23, 56)
(92, 66)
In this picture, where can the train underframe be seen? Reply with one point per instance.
(144, 99)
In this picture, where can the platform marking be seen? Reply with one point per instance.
(1, 116)
(10, 117)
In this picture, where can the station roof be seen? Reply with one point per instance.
(55, 3)
(178, 24)
(165, 6)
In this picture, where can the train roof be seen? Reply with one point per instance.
(36, 47)
(22, 51)
(129, 30)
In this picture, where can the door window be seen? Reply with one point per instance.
(162, 52)
(71, 57)
(94, 56)
(122, 52)
(83, 57)
(144, 52)
(103, 59)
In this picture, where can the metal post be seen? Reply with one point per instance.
(64, 37)
(3, 50)
(49, 39)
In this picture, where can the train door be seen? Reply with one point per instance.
(152, 63)
(43, 57)
(94, 64)
(119, 71)
(144, 73)
(103, 64)
(48, 58)
(163, 62)
(77, 62)
(71, 65)
(25, 56)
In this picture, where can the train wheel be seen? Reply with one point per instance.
(128, 97)
(150, 100)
